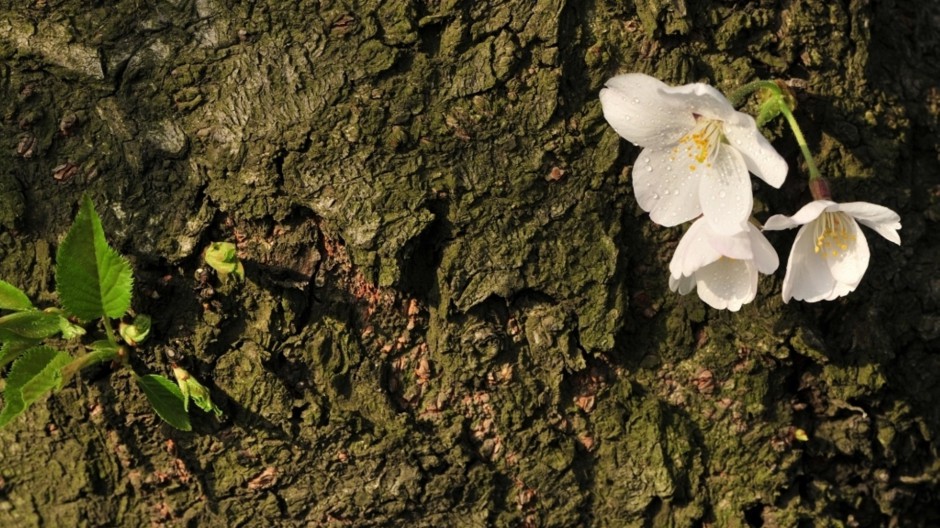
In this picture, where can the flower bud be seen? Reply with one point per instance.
(819, 188)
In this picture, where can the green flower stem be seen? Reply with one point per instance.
(801, 141)
(737, 99)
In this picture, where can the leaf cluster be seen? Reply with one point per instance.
(93, 282)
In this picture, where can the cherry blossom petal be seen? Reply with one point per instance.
(805, 215)
(765, 257)
(640, 111)
(779, 222)
(722, 282)
(681, 284)
(701, 99)
(736, 246)
(694, 250)
(667, 190)
(727, 283)
(761, 158)
(882, 220)
(725, 193)
(808, 277)
(848, 266)
(841, 289)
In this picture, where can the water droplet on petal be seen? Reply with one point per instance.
(722, 194)
(655, 196)
(649, 169)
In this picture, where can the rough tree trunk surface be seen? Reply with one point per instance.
(455, 312)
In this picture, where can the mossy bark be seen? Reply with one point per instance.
(455, 313)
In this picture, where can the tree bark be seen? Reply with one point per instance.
(455, 313)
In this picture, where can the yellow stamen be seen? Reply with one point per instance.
(702, 143)
(833, 236)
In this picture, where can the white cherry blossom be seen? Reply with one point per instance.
(722, 268)
(697, 151)
(830, 253)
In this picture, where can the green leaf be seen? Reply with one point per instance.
(223, 258)
(28, 325)
(92, 279)
(37, 372)
(166, 399)
(69, 330)
(768, 111)
(136, 332)
(191, 388)
(13, 298)
(12, 349)
(204, 402)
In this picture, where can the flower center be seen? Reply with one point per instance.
(832, 234)
(701, 144)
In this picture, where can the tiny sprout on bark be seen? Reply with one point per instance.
(195, 391)
(223, 258)
(135, 332)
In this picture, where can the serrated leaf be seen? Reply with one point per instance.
(166, 399)
(37, 372)
(92, 279)
(29, 325)
(13, 298)
(14, 405)
(12, 349)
